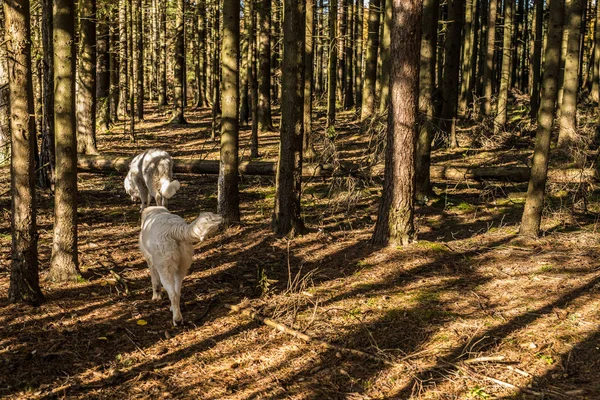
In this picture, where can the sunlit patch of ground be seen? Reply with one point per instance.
(469, 288)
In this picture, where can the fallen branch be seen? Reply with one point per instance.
(299, 335)
(484, 359)
(513, 174)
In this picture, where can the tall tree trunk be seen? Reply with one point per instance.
(64, 261)
(253, 72)
(450, 84)
(359, 31)
(103, 69)
(287, 219)
(568, 116)
(488, 66)
(501, 112)
(216, 106)
(595, 92)
(123, 61)
(532, 214)
(563, 57)
(349, 62)
(368, 100)
(114, 65)
(341, 43)
(536, 59)
(179, 66)
(86, 79)
(481, 58)
(395, 221)
(332, 65)
(47, 158)
(228, 195)
(4, 93)
(24, 280)
(468, 59)
(245, 69)
(162, 63)
(308, 80)
(385, 57)
(138, 57)
(427, 90)
(264, 66)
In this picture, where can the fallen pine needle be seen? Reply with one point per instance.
(299, 335)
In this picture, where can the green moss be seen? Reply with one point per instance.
(433, 246)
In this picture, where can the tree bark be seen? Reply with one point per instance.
(245, 69)
(162, 63)
(349, 62)
(265, 122)
(427, 92)
(86, 79)
(308, 81)
(341, 44)
(179, 66)
(332, 65)
(287, 219)
(24, 280)
(64, 261)
(103, 70)
(216, 96)
(123, 61)
(450, 84)
(532, 214)
(467, 58)
(138, 57)
(567, 135)
(4, 94)
(488, 66)
(47, 158)
(253, 81)
(113, 60)
(395, 221)
(536, 59)
(385, 57)
(368, 92)
(358, 71)
(228, 194)
(502, 107)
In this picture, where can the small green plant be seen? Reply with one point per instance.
(331, 134)
(546, 268)
(81, 279)
(262, 280)
(433, 246)
(546, 358)
(477, 392)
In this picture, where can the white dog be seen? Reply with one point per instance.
(150, 176)
(166, 241)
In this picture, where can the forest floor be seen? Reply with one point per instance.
(470, 287)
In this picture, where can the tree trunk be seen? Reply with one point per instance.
(264, 66)
(488, 66)
(368, 100)
(216, 97)
(359, 31)
(24, 280)
(332, 65)
(308, 80)
(46, 158)
(395, 221)
(4, 94)
(228, 195)
(341, 43)
(501, 113)
(162, 63)
(86, 79)
(481, 57)
(113, 60)
(287, 219)
(349, 62)
(427, 92)
(532, 214)
(563, 58)
(179, 66)
(468, 59)
(253, 71)
(103, 69)
(568, 116)
(123, 61)
(64, 261)
(450, 84)
(385, 58)
(138, 57)
(536, 59)
(245, 69)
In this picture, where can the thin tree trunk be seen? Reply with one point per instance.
(320, 83)
(24, 280)
(86, 79)
(341, 43)
(450, 84)
(228, 195)
(114, 65)
(468, 59)
(501, 113)
(332, 65)
(162, 63)
(395, 221)
(4, 93)
(349, 63)
(563, 58)
(385, 58)
(287, 219)
(481, 59)
(179, 67)
(427, 90)
(264, 66)
(368, 100)
(532, 214)
(359, 31)
(123, 61)
(103, 69)
(595, 92)
(64, 261)
(216, 106)
(47, 158)
(138, 57)
(488, 66)
(308, 80)
(245, 69)
(253, 71)
(567, 136)
(536, 63)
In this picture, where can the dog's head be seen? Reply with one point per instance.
(131, 187)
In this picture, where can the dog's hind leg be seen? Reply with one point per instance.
(155, 277)
(144, 195)
(172, 284)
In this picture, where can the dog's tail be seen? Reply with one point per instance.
(168, 188)
(202, 227)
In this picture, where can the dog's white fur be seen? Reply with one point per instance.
(151, 176)
(166, 241)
